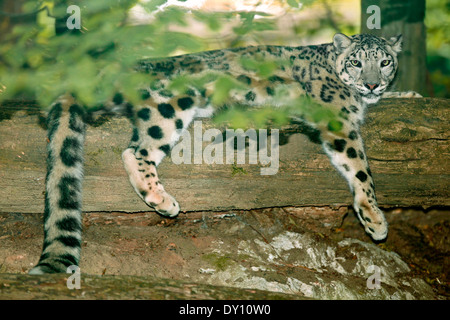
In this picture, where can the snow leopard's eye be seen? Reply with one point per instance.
(385, 63)
(355, 63)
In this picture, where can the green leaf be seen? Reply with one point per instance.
(293, 3)
(307, 2)
(222, 89)
(214, 20)
(335, 125)
(152, 5)
(263, 68)
(166, 43)
(172, 16)
(46, 23)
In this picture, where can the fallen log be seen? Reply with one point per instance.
(406, 140)
(91, 287)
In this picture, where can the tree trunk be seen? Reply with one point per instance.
(11, 15)
(405, 17)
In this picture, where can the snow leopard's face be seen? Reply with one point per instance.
(367, 63)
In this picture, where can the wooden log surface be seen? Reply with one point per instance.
(54, 287)
(406, 142)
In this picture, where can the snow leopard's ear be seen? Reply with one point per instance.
(396, 43)
(341, 42)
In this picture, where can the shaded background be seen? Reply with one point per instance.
(425, 59)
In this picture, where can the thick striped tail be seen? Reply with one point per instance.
(63, 197)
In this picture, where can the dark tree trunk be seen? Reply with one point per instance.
(407, 18)
(11, 15)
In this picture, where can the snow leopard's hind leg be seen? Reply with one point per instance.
(63, 194)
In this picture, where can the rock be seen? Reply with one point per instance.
(284, 251)
(301, 264)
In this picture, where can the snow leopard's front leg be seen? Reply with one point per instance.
(141, 169)
(346, 151)
(158, 127)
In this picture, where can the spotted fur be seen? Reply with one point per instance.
(345, 75)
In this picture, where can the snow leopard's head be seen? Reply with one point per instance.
(366, 63)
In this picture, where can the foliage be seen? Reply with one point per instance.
(438, 46)
(92, 63)
(95, 62)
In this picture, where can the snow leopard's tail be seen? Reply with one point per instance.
(63, 194)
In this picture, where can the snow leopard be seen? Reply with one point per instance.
(345, 75)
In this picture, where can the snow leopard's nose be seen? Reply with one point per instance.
(371, 86)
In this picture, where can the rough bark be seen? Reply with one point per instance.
(406, 142)
(54, 287)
